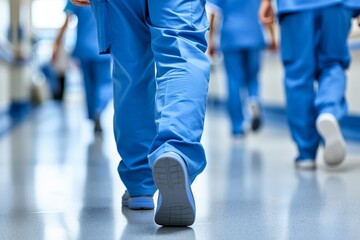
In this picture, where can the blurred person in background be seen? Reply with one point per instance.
(96, 69)
(241, 42)
(354, 7)
(315, 56)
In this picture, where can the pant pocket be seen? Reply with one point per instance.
(286, 38)
(198, 14)
(100, 9)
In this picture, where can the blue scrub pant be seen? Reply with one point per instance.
(242, 68)
(98, 85)
(315, 56)
(158, 113)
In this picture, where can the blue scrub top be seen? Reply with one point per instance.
(86, 46)
(241, 28)
(355, 4)
(288, 6)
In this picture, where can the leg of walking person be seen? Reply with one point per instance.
(298, 55)
(235, 74)
(178, 41)
(333, 59)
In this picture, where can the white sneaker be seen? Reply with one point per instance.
(335, 148)
(305, 164)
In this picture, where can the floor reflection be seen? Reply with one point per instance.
(241, 209)
(318, 212)
(179, 233)
(58, 181)
(18, 201)
(245, 188)
(139, 224)
(306, 206)
(336, 212)
(96, 218)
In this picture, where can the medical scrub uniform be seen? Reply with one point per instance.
(162, 112)
(315, 56)
(241, 43)
(354, 6)
(95, 68)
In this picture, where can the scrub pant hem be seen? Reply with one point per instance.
(169, 148)
(338, 115)
(141, 193)
(306, 155)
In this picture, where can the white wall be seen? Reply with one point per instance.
(4, 88)
(20, 83)
(15, 84)
(353, 88)
(5, 17)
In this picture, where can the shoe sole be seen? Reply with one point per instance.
(307, 165)
(256, 118)
(177, 206)
(335, 148)
(256, 124)
(139, 203)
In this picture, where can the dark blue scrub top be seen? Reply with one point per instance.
(86, 46)
(241, 28)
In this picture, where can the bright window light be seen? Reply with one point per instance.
(48, 14)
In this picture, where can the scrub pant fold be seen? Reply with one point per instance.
(333, 59)
(313, 48)
(242, 67)
(98, 86)
(100, 9)
(156, 114)
(182, 77)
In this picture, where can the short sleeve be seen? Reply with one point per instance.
(215, 2)
(70, 8)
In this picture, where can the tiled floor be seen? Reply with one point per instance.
(57, 181)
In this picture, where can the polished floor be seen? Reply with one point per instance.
(58, 181)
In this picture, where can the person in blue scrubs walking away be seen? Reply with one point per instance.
(96, 69)
(242, 41)
(315, 56)
(354, 7)
(159, 115)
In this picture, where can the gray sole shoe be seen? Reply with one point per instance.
(335, 148)
(306, 164)
(176, 205)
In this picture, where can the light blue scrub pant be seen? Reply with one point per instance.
(242, 68)
(314, 48)
(158, 113)
(98, 85)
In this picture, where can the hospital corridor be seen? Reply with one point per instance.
(206, 131)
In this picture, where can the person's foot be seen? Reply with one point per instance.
(335, 148)
(305, 164)
(97, 128)
(238, 138)
(137, 203)
(176, 204)
(255, 116)
(239, 133)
